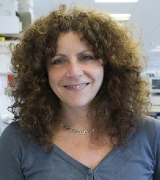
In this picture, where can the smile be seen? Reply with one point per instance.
(77, 87)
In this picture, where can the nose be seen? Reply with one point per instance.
(74, 70)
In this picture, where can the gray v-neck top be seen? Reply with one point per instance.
(23, 159)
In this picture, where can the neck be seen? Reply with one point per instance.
(75, 118)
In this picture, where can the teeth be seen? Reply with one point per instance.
(77, 86)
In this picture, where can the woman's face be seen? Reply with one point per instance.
(74, 74)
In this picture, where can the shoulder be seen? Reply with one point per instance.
(13, 136)
(148, 134)
(153, 130)
(145, 140)
(151, 124)
(11, 130)
(149, 128)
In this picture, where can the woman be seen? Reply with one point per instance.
(79, 103)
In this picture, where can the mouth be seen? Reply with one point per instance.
(77, 86)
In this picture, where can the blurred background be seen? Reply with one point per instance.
(142, 15)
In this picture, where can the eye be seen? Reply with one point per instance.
(58, 61)
(86, 57)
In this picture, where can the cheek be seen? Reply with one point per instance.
(52, 78)
(100, 73)
(98, 70)
(99, 77)
(55, 74)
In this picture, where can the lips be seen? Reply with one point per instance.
(76, 87)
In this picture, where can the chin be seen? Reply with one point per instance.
(77, 104)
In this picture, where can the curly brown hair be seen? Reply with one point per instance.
(122, 97)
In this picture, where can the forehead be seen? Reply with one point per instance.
(71, 41)
(69, 36)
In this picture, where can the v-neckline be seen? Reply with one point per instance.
(105, 161)
(69, 159)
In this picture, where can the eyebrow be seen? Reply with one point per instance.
(77, 53)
